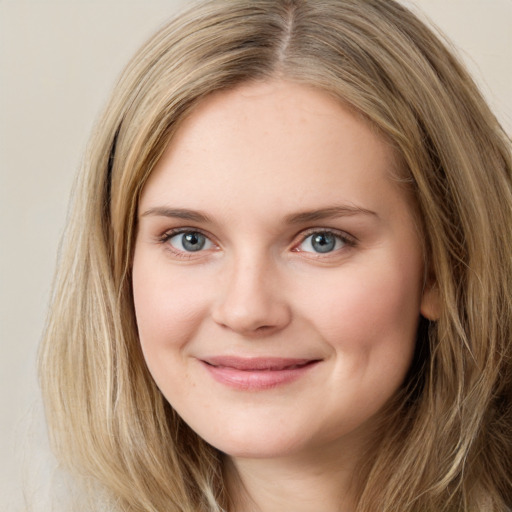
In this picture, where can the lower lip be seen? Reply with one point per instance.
(257, 380)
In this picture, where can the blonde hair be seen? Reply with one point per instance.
(446, 440)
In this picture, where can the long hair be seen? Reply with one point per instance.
(446, 440)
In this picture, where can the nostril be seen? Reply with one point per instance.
(263, 328)
(250, 307)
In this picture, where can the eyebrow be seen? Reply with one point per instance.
(177, 213)
(327, 213)
(294, 218)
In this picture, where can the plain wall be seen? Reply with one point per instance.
(58, 62)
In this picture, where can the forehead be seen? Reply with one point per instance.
(273, 142)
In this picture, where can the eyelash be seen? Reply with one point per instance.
(347, 240)
(166, 237)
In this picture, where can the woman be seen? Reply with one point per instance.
(286, 281)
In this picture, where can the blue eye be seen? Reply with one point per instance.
(190, 241)
(322, 242)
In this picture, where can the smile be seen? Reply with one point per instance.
(254, 374)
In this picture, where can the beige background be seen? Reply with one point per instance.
(58, 60)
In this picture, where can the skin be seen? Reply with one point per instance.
(251, 161)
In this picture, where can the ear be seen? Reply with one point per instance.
(430, 306)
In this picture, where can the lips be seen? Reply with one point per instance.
(256, 363)
(258, 373)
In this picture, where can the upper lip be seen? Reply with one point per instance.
(257, 363)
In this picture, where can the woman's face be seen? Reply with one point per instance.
(277, 274)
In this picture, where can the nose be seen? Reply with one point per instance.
(251, 301)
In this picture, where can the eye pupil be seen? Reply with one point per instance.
(193, 241)
(323, 242)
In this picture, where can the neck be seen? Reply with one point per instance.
(300, 482)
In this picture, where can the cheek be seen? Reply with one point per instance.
(168, 307)
(368, 309)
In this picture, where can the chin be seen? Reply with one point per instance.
(247, 443)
